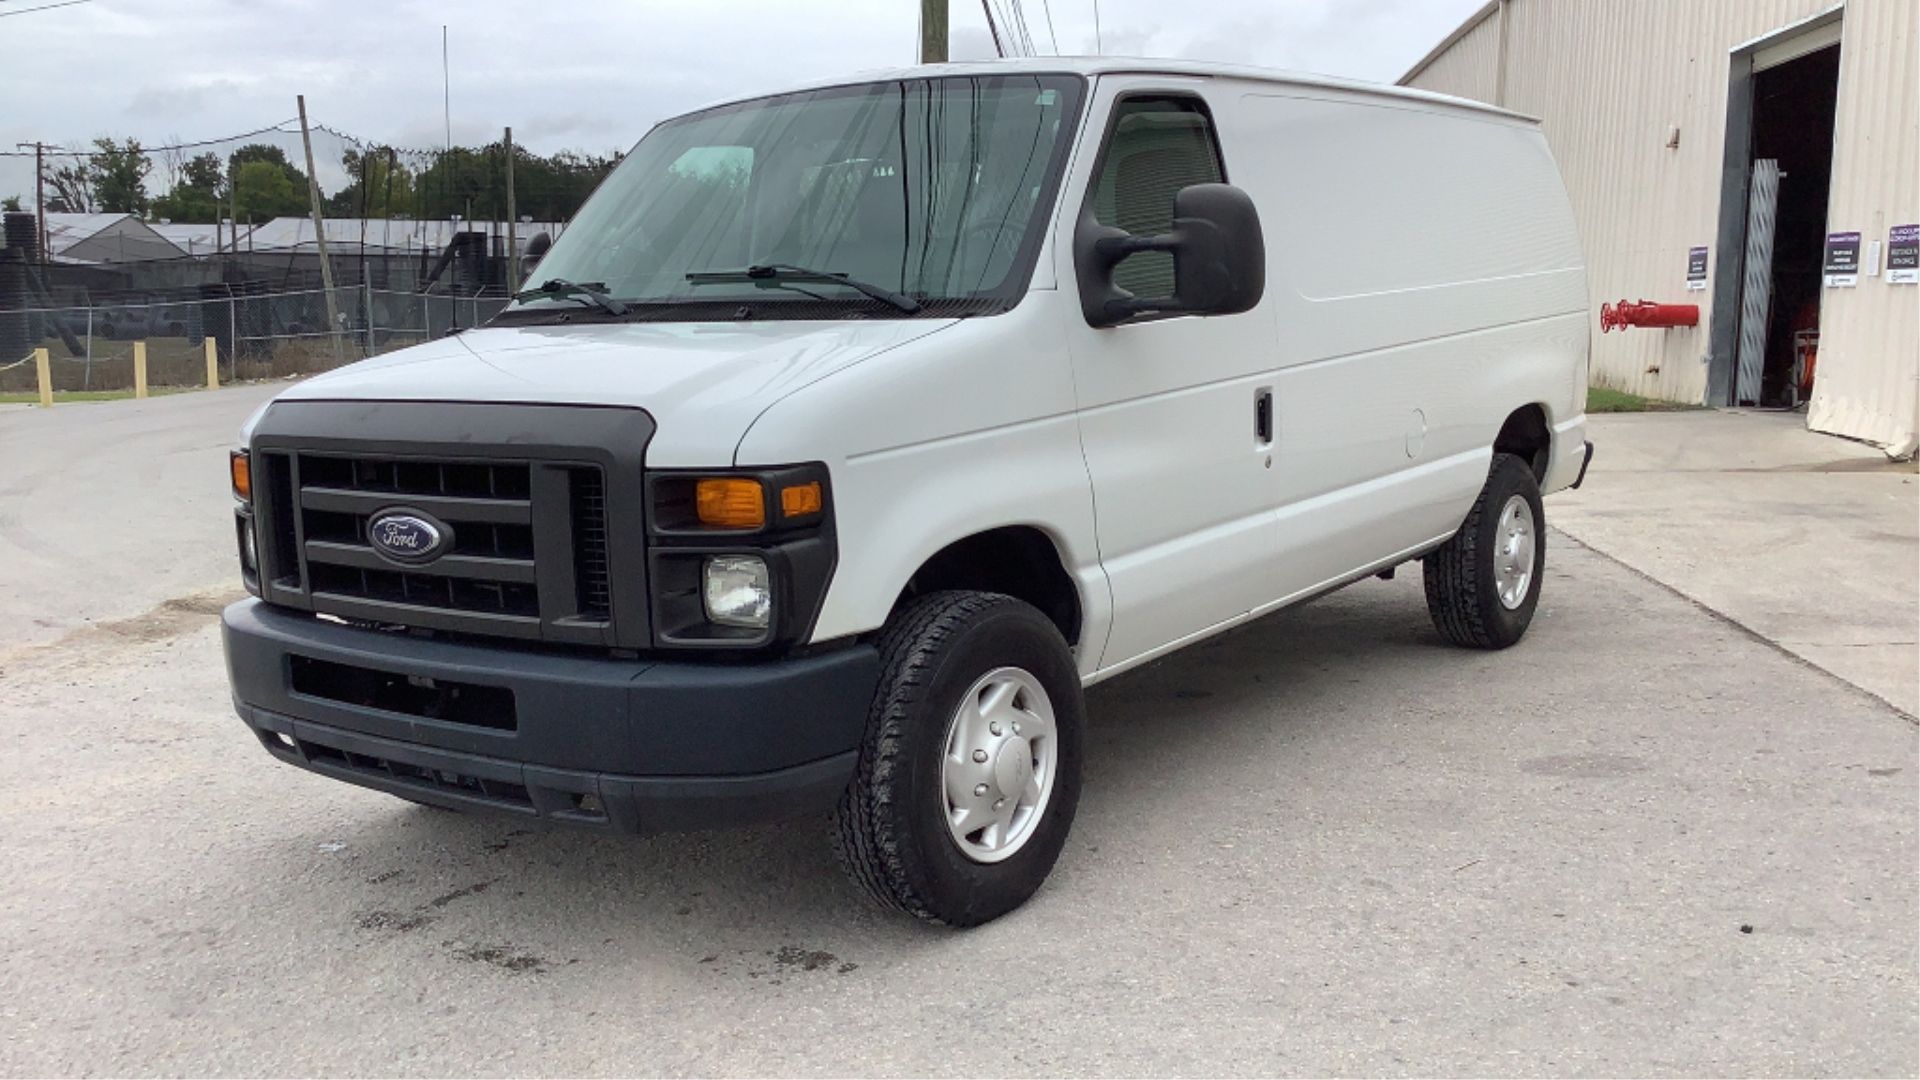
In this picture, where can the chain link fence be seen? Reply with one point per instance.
(255, 335)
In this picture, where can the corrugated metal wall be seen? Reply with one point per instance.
(1611, 81)
(1868, 383)
(1468, 66)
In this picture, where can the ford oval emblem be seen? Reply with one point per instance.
(408, 537)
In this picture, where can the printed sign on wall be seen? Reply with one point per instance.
(1696, 268)
(1903, 255)
(1841, 266)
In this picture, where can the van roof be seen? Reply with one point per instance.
(1129, 65)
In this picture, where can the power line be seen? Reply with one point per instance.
(44, 7)
(1020, 20)
(994, 29)
(1047, 9)
(52, 151)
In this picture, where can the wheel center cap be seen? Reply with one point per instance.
(1013, 766)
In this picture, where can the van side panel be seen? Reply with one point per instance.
(1427, 281)
(971, 430)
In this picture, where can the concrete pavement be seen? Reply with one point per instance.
(108, 509)
(1810, 541)
(1646, 840)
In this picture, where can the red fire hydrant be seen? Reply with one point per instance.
(1647, 313)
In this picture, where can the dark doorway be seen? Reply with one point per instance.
(1793, 125)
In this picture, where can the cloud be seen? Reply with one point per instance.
(587, 74)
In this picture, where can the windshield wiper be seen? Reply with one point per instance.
(776, 273)
(593, 292)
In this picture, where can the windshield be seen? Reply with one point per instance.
(935, 189)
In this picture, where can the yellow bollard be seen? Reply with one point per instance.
(213, 365)
(139, 369)
(42, 366)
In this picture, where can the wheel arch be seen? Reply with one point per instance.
(1022, 561)
(1527, 434)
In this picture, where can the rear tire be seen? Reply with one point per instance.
(969, 772)
(1484, 583)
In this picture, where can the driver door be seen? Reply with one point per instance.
(1171, 407)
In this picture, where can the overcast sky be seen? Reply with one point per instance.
(580, 74)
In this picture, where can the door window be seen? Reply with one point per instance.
(1156, 146)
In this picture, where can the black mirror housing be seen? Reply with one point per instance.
(1219, 258)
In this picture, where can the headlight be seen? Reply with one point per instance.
(738, 591)
(249, 548)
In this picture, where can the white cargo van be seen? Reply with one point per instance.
(848, 433)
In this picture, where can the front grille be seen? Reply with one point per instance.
(592, 576)
(543, 507)
(528, 557)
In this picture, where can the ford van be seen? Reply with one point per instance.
(849, 433)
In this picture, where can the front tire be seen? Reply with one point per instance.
(969, 773)
(1484, 583)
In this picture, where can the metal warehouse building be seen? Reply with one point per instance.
(1758, 158)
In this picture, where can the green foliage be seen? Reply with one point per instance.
(118, 172)
(266, 185)
(381, 187)
(264, 190)
(258, 182)
(1601, 399)
(472, 182)
(10, 204)
(198, 196)
(71, 189)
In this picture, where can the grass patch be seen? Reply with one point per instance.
(1602, 400)
(31, 397)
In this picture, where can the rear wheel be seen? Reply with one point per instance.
(969, 774)
(1484, 583)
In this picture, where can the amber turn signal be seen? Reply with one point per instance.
(800, 500)
(730, 503)
(242, 469)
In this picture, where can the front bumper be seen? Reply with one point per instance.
(626, 745)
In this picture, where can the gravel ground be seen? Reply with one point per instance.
(1642, 842)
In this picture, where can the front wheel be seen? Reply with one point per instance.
(1484, 583)
(969, 774)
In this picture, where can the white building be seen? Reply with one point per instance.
(1780, 136)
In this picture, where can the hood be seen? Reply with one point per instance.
(703, 383)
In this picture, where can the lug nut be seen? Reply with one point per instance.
(994, 727)
(979, 755)
(979, 789)
(998, 803)
(1016, 727)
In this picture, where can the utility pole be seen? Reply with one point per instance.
(933, 31)
(513, 256)
(446, 87)
(320, 233)
(39, 192)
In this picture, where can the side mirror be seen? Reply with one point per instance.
(1219, 258)
(536, 249)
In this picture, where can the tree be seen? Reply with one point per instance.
(263, 190)
(118, 171)
(474, 180)
(10, 204)
(266, 185)
(381, 187)
(198, 195)
(72, 189)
